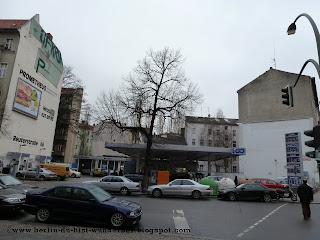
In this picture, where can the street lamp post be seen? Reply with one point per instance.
(292, 29)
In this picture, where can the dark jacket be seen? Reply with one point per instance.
(305, 193)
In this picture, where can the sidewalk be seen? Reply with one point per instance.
(316, 199)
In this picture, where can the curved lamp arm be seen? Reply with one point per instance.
(304, 65)
(292, 29)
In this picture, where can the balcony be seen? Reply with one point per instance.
(58, 153)
(61, 137)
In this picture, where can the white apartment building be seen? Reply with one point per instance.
(213, 132)
(30, 85)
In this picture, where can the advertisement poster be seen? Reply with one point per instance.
(27, 99)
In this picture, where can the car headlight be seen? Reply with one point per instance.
(132, 214)
(11, 200)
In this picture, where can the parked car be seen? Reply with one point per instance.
(116, 184)
(134, 177)
(84, 202)
(11, 199)
(249, 191)
(273, 184)
(282, 180)
(74, 173)
(180, 187)
(99, 172)
(61, 170)
(44, 174)
(12, 182)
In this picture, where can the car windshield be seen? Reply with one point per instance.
(241, 185)
(9, 180)
(100, 194)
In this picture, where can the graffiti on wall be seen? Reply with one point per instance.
(49, 60)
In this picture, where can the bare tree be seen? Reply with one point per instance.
(157, 90)
(5, 120)
(72, 94)
(219, 113)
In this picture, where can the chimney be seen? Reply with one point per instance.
(49, 36)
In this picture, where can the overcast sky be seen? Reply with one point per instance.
(226, 43)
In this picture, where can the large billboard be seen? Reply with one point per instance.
(27, 99)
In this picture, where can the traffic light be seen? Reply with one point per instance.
(287, 97)
(315, 143)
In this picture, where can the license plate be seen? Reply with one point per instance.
(286, 194)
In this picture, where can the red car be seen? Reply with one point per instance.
(269, 183)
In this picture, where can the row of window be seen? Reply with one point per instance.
(234, 143)
(234, 168)
(4, 66)
(210, 131)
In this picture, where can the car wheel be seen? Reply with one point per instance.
(196, 194)
(231, 196)
(73, 175)
(117, 220)
(18, 175)
(267, 198)
(124, 191)
(156, 192)
(294, 197)
(42, 178)
(43, 215)
(58, 178)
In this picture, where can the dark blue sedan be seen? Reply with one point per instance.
(82, 201)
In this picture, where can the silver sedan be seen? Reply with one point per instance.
(44, 174)
(117, 184)
(180, 187)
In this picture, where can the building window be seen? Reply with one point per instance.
(201, 167)
(201, 142)
(234, 169)
(210, 143)
(3, 69)
(217, 168)
(193, 130)
(234, 133)
(60, 146)
(193, 142)
(218, 132)
(226, 127)
(9, 44)
(226, 138)
(234, 144)
(209, 131)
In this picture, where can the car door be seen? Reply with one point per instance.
(105, 183)
(173, 188)
(247, 192)
(187, 187)
(272, 184)
(84, 205)
(59, 201)
(116, 184)
(31, 173)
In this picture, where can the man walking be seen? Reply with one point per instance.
(305, 194)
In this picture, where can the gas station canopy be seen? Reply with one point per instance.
(176, 152)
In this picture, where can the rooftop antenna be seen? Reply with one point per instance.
(274, 56)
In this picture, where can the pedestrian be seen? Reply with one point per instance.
(236, 180)
(305, 194)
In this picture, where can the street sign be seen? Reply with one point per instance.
(240, 151)
(294, 158)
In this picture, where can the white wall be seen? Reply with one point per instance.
(40, 129)
(265, 148)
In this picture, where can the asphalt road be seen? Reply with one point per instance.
(206, 218)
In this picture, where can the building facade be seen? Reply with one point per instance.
(67, 129)
(31, 70)
(213, 132)
(264, 121)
